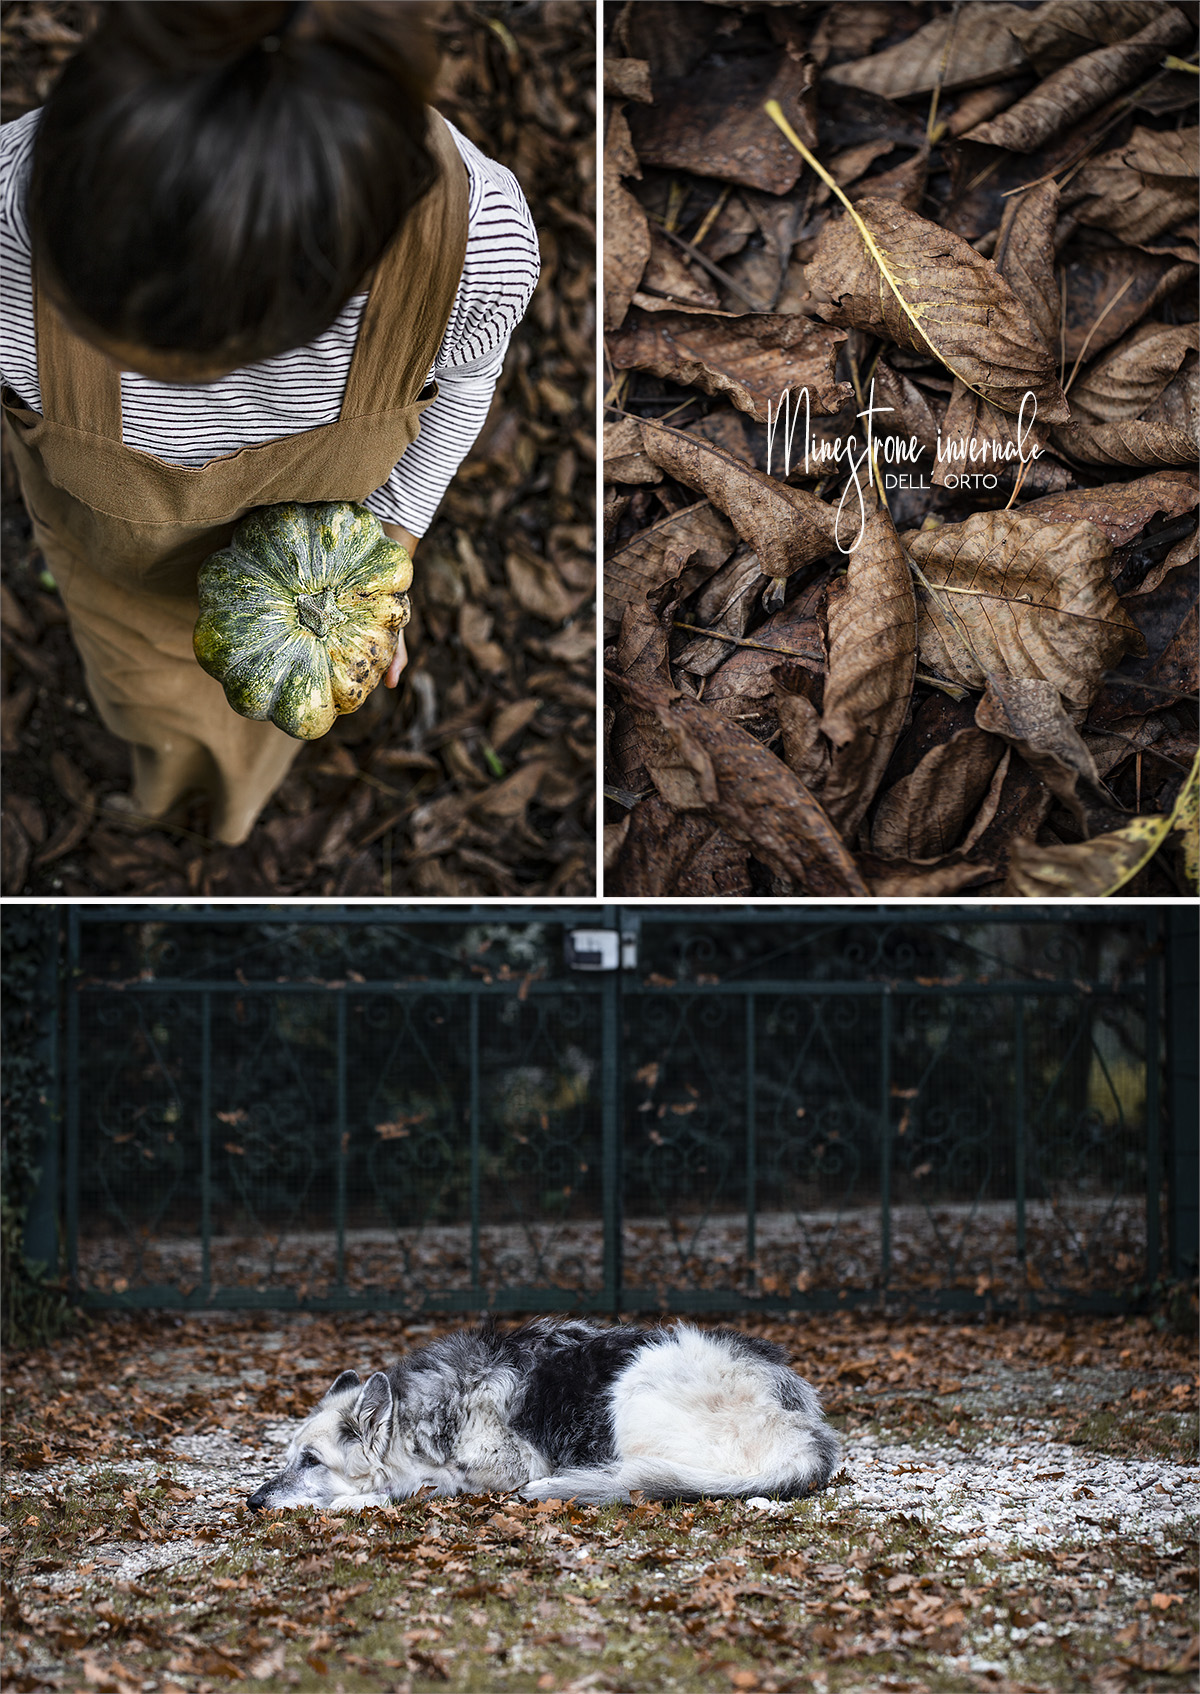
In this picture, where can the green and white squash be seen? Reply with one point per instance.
(299, 614)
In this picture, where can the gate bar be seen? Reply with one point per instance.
(1154, 1049)
(343, 1136)
(610, 1126)
(1019, 1124)
(73, 971)
(885, 1142)
(474, 1134)
(751, 1143)
(205, 1142)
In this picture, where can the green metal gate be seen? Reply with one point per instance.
(466, 1108)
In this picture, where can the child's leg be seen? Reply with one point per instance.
(149, 690)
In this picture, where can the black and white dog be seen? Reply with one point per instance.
(564, 1410)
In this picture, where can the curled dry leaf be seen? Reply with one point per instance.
(670, 283)
(805, 749)
(626, 231)
(1139, 201)
(1133, 375)
(975, 44)
(1085, 869)
(1084, 85)
(698, 536)
(872, 662)
(969, 317)
(624, 457)
(718, 769)
(786, 527)
(1106, 290)
(751, 359)
(1063, 29)
(681, 854)
(724, 605)
(1029, 715)
(851, 28)
(1121, 509)
(924, 816)
(1020, 599)
(628, 79)
(743, 686)
(1024, 257)
(1131, 441)
(711, 121)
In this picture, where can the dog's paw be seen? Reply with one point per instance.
(356, 1502)
(546, 1488)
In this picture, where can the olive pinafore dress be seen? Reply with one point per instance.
(124, 533)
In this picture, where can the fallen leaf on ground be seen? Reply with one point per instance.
(969, 317)
(1020, 599)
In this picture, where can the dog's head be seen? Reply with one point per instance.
(339, 1450)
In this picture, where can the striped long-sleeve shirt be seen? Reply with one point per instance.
(188, 424)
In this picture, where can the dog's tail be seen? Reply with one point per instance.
(661, 1479)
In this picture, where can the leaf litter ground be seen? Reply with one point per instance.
(994, 691)
(477, 776)
(1016, 1511)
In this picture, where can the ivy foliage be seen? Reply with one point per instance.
(35, 1307)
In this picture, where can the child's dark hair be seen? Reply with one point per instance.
(218, 178)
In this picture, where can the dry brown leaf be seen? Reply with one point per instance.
(805, 749)
(1131, 441)
(910, 410)
(1121, 509)
(982, 332)
(475, 627)
(1024, 257)
(538, 587)
(1025, 599)
(725, 605)
(624, 457)
(1029, 715)
(1084, 869)
(1133, 374)
(698, 536)
(628, 79)
(1137, 202)
(718, 769)
(1107, 290)
(711, 121)
(752, 359)
(743, 686)
(683, 855)
(904, 183)
(872, 662)
(900, 880)
(983, 47)
(668, 275)
(924, 816)
(1064, 29)
(626, 231)
(851, 28)
(1166, 152)
(787, 527)
(1083, 85)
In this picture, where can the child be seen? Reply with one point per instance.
(244, 263)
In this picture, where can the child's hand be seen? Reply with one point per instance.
(399, 660)
(408, 541)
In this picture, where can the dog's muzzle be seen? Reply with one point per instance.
(259, 1500)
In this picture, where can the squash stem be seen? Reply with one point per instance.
(320, 613)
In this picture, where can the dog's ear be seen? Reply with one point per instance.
(348, 1379)
(373, 1406)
